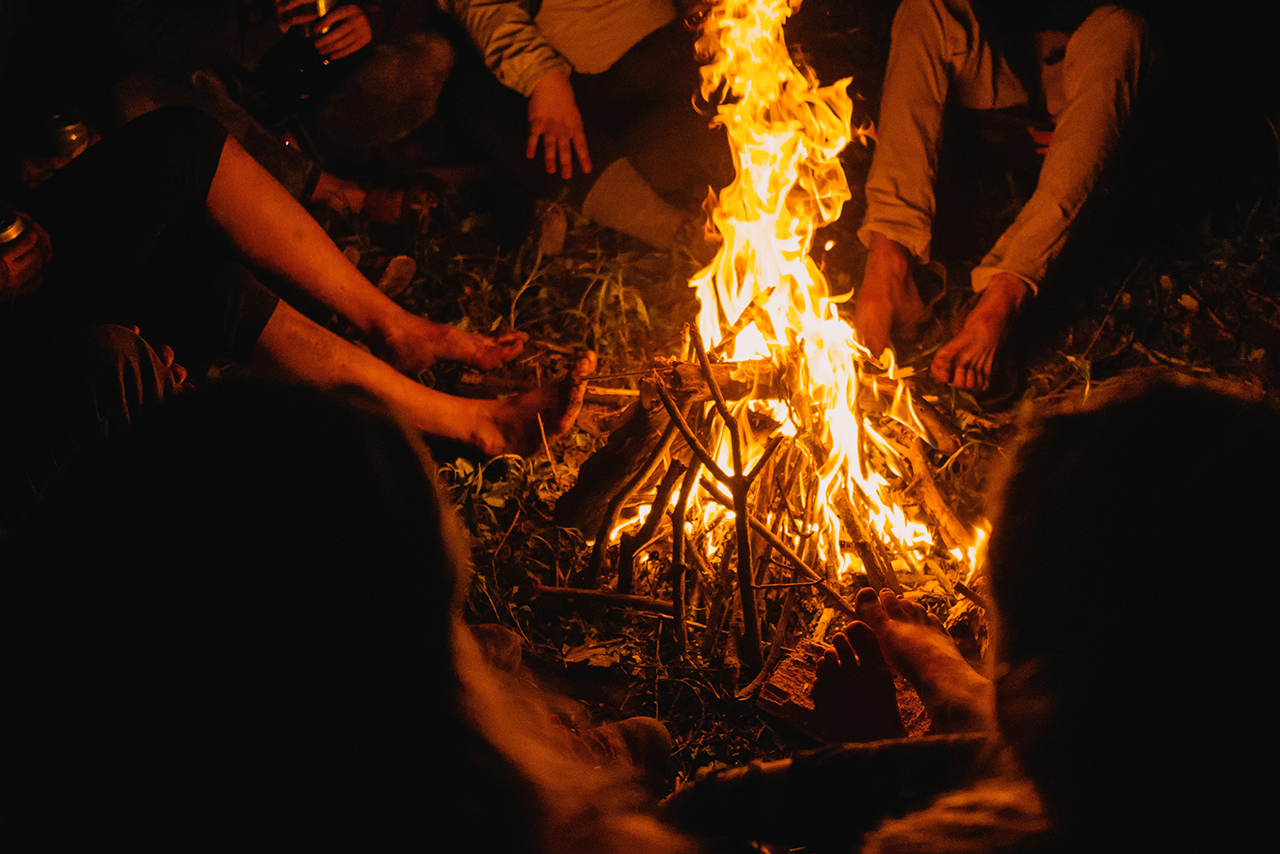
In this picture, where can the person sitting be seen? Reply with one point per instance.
(606, 84)
(1122, 719)
(239, 626)
(159, 226)
(1077, 63)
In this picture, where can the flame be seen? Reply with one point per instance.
(786, 132)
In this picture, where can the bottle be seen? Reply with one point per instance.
(293, 73)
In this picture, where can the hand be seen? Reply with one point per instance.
(165, 352)
(293, 13)
(22, 262)
(346, 30)
(554, 117)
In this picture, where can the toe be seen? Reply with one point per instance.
(848, 655)
(892, 605)
(943, 368)
(864, 643)
(870, 611)
(827, 668)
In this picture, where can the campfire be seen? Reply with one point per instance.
(776, 445)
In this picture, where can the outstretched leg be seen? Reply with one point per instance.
(277, 234)
(916, 645)
(304, 350)
(854, 698)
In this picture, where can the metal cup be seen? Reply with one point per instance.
(65, 135)
(11, 225)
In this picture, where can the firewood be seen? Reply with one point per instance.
(953, 531)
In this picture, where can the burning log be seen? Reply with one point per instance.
(629, 447)
(954, 534)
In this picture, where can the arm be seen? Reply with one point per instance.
(509, 41)
(515, 51)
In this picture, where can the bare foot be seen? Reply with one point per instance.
(916, 645)
(416, 344)
(966, 360)
(854, 698)
(888, 304)
(515, 420)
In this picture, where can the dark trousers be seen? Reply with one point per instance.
(641, 108)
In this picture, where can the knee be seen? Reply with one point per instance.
(934, 26)
(431, 52)
(1112, 40)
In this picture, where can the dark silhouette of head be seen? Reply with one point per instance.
(1130, 560)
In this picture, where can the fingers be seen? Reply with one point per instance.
(535, 132)
(580, 146)
(347, 31)
(565, 146)
(167, 359)
(292, 13)
(24, 261)
(550, 145)
(22, 246)
(1042, 138)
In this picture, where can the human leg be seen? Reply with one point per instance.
(276, 234)
(302, 350)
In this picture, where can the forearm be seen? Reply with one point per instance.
(510, 43)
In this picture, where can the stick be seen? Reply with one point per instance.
(591, 573)
(739, 486)
(679, 567)
(616, 600)
(954, 534)
(632, 543)
(774, 540)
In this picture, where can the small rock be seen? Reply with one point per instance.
(399, 273)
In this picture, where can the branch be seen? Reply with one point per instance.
(616, 600)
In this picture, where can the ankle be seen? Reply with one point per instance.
(1006, 293)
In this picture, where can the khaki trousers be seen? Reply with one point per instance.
(939, 55)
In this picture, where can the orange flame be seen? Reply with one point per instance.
(786, 132)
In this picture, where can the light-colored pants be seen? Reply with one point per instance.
(938, 55)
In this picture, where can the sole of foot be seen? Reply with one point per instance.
(917, 646)
(854, 696)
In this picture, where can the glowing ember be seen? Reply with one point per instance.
(786, 133)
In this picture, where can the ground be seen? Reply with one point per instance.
(1200, 294)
